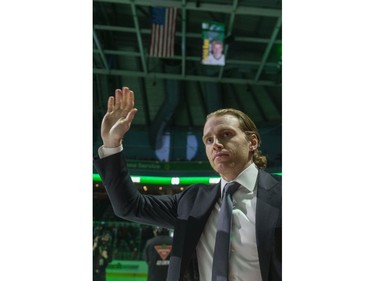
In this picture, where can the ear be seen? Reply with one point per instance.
(253, 142)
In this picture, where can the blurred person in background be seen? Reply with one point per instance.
(102, 255)
(157, 254)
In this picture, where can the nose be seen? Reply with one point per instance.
(217, 144)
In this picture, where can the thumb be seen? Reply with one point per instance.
(129, 118)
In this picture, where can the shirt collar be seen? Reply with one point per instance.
(247, 178)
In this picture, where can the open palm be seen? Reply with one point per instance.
(117, 120)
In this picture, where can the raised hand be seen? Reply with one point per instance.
(117, 121)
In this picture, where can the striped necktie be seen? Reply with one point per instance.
(221, 253)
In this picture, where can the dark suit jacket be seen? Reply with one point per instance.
(188, 211)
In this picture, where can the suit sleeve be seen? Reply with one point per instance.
(127, 202)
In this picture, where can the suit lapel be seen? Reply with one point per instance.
(267, 216)
(206, 200)
(197, 220)
(199, 214)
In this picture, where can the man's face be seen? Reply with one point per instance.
(217, 49)
(228, 149)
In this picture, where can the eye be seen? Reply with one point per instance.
(227, 134)
(209, 140)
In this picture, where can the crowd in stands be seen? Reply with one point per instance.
(127, 239)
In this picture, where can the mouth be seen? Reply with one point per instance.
(219, 156)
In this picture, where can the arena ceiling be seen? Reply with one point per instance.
(178, 92)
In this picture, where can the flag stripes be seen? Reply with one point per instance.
(163, 32)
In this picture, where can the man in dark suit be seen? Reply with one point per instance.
(232, 148)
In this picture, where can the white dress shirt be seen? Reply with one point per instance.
(243, 260)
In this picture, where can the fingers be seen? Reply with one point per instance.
(123, 100)
(128, 99)
(129, 109)
(118, 99)
(110, 104)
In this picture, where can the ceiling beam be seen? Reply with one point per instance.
(180, 34)
(179, 77)
(183, 38)
(101, 53)
(229, 33)
(268, 48)
(220, 8)
(139, 38)
(187, 58)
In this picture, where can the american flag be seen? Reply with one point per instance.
(163, 32)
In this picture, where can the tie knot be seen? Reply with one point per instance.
(231, 187)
